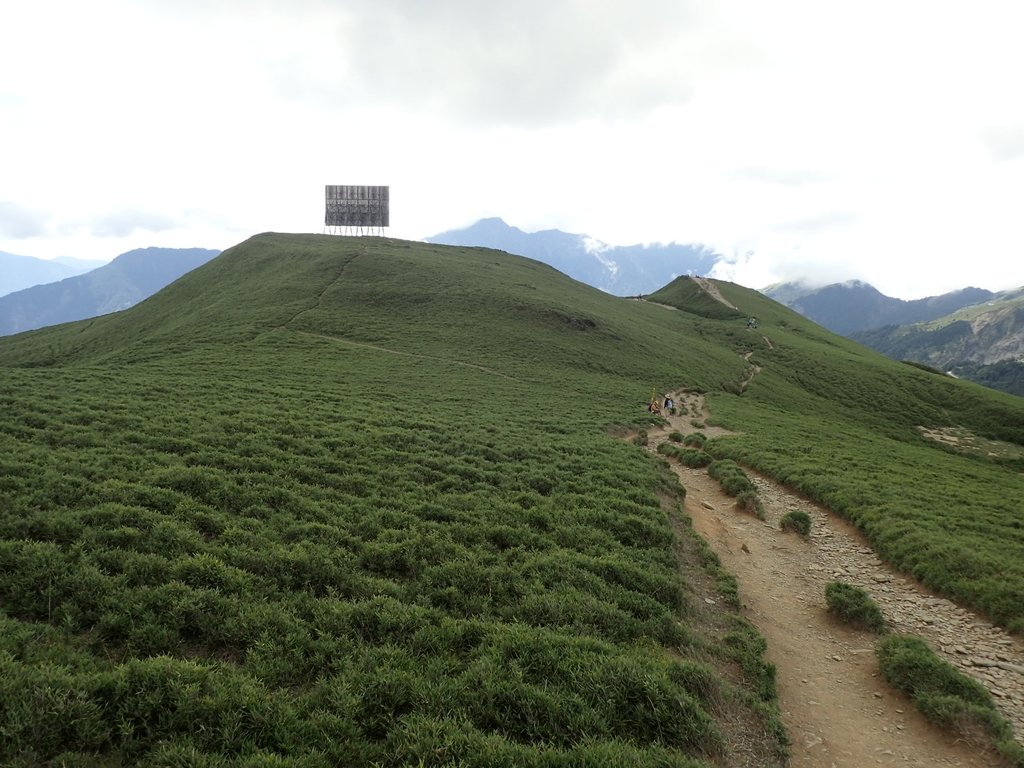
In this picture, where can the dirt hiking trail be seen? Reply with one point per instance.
(838, 710)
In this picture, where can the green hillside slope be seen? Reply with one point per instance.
(330, 501)
(845, 426)
(359, 501)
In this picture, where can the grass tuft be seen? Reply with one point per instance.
(796, 520)
(854, 606)
(945, 695)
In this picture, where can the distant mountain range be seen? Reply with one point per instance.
(125, 281)
(622, 270)
(854, 306)
(18, 272)
(971, 333)
(985, 345)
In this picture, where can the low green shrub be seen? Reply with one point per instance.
(224, 541)
(945, 695)
(854, 606)
(676, 437)
(725, 581)
(688, 457)
(695, 440)
(641, 438)
(734, 481)
(695, 459)
(1011, 751)
(796, 520)
(748, 501)
(731, 477)
(745, 645)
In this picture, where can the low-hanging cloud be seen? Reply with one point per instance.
(796, 177)
(807, 133)
(820, 222)
(126, 222)
(533, 62)
(20, 223)
(1005, 143)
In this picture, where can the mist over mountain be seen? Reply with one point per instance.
(622, 270)
(18, 272)
(125, 281)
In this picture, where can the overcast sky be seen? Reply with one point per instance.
(875, 140)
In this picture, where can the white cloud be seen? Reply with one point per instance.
(874, 140)
(127, 222)
(1005, 142)
(17, 222)
(530, 63)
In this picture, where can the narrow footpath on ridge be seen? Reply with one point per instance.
(838, 709)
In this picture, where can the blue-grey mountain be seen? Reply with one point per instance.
(19, 272)
(854, 306)
(971, 333)
(622, 270)
(125, 281)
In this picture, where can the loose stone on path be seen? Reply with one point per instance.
(967, 641)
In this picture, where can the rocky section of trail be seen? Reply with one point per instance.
(838, 709)
(978, 648)
(712, 290)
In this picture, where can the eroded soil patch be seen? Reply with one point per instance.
(966, 441)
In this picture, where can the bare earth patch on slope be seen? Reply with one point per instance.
(712, 290)
(966, 441)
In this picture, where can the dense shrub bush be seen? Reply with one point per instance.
(747, 647)
(748, 501)
(731, 477)
(796, 520)
(854, 606)
(695, 440)
(694, 458)
(945, 695)
(734, 481)
(688, 457)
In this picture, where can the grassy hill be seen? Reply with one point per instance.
(846, 427)
(359, 501)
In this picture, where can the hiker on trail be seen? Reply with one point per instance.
(669, 404)
(653, 407)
